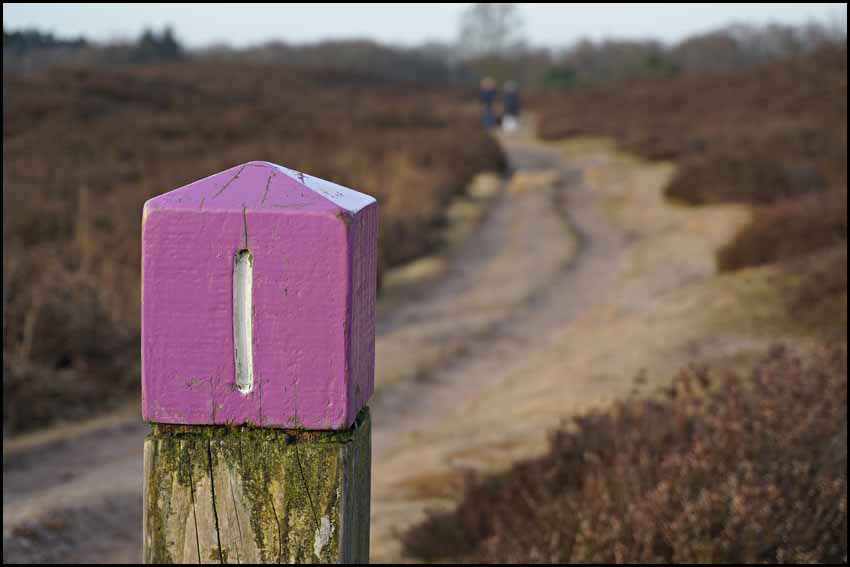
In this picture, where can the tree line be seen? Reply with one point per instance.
(490, 41)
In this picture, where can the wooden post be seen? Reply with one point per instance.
(258, 349)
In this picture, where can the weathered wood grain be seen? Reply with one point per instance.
(235, 494)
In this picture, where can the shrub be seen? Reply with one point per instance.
(738, 178)
(787, 230)
(721, 468)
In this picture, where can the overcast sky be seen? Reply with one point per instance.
(545, 24)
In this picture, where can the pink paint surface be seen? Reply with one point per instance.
(313, 300)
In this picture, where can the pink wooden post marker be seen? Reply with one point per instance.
(258, 301)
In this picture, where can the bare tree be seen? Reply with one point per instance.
(490, 29)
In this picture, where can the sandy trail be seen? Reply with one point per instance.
(554, 303)
(579, 276)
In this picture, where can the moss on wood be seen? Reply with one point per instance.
(223, 493)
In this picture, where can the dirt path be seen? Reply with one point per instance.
(543, 311)
(579, 276)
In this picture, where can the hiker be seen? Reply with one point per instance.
(488, 100)
(510, 102)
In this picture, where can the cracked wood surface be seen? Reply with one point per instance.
(227, 494)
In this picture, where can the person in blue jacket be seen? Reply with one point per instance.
(488, 101)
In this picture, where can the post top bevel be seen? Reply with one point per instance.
(262, 186)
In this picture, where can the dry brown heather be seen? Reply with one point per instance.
(83, 149)
(772, 136)
(720, 468)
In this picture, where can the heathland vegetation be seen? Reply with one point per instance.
(717, 468)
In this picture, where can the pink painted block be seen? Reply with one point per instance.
(281, 335)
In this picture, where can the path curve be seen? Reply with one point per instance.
(543, 255)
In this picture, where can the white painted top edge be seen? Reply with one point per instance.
(348, 199)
